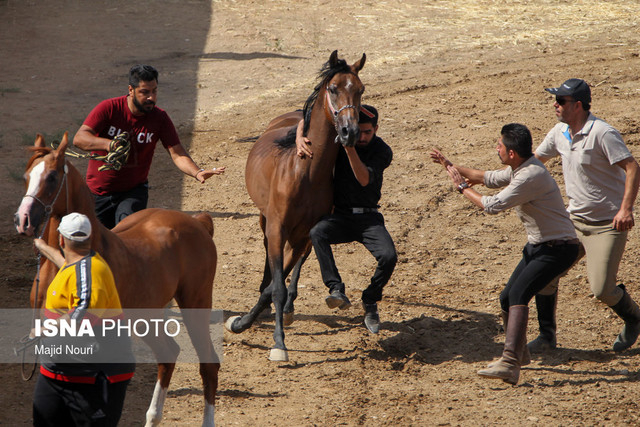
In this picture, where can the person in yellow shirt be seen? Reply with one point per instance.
(81, 392)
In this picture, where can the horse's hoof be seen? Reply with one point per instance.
(278, 355)
(228, 325)
(287, 318)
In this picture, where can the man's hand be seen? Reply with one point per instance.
(205, 174)
(623, 221)
(438, 157)
(51, 253)
(302, 148)
(303, 143)
(455, 175)
(118, 154)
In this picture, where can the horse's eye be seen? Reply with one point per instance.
(333, 89)
(51, 178)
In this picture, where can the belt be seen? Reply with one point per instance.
(561, 242)
(357, 210)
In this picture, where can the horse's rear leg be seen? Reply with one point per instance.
(169, 350)
(292, 290)
(266, 281)
(266, 275)
(237, 324)
(197, 321)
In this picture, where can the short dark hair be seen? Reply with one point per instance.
(368, 114)
(146, 73)
(517, 137)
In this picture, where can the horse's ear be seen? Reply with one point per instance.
(62, 147)
(39, 141)
(333, 59)
(359, 64)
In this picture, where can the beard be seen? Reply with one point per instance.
(144, 108)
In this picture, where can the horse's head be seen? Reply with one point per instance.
(343, 90)
(45, 178)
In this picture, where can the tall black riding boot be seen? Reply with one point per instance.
(508, 367)
(546, 305)
(628, 311)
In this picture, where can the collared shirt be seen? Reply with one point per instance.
(594, 183)
(534, 194)
(348, 193)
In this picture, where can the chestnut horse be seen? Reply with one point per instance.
(293, 193)
(155, 255)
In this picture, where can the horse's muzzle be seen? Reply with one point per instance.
(348, 134)
(23, 224)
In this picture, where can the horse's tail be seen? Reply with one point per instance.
(206, 220)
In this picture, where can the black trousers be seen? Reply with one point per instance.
(113, 208)
(540, 264)
(366, 228)
(61, 403)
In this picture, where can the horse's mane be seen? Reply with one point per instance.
(326, 73)
(37, 153)
(287, 141)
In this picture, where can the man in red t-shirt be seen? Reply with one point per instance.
(120, 193)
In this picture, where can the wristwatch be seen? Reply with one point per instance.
(462, 186)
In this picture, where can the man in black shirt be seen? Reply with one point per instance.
(357, 190)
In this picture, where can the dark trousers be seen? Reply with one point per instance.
(368, 229)
(540, 264)
(113, 208)
(61, 403)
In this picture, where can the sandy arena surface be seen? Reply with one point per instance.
(444, 74)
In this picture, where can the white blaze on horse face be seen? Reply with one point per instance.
(35, 178)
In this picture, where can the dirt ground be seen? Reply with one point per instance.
(444, 74)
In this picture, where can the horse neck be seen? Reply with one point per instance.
(322, 133)
(78, 198)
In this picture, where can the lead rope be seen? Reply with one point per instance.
(28, 341)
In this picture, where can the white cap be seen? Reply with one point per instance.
(75, 226)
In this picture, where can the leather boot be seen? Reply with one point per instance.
(507, 368)
(628, 311)
(546, 340)
(526, 356)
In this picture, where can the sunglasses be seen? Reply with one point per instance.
(562, 101)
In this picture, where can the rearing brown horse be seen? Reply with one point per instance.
(293, 193)
(155, 255)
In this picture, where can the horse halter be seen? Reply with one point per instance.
(336, 112)
(49, 208)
